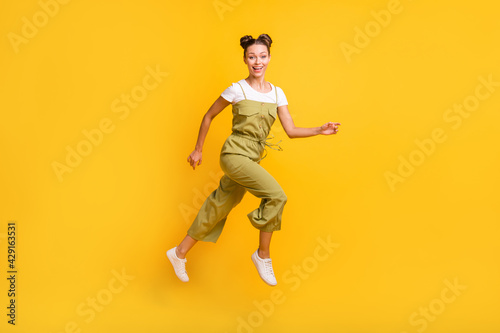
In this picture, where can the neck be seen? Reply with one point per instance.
(258, 83)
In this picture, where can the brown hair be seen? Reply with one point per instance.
(248, 40)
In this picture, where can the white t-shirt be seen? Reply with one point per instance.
(233, 94)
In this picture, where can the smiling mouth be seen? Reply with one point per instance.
(257, 68)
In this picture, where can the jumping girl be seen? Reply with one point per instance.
(255, 105)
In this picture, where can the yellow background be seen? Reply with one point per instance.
(125, 204)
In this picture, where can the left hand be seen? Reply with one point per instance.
(329, 128)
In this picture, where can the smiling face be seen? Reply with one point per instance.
(257, 58)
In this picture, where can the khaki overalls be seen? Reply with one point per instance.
(239, 159)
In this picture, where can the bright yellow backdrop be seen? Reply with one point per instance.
(414, 223)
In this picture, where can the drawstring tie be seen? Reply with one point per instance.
(274, 146)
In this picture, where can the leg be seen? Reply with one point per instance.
(262, 261)
(264, 243)
(267, 218)
(208, 224)
(256, 180)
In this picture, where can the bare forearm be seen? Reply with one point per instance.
(202, 134)
(303, 132)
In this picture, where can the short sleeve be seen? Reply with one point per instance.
(229, 94)
(281, 97)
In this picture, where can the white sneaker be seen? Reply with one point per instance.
(265, 268)
(179, 265)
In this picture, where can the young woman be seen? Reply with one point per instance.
(255, 103)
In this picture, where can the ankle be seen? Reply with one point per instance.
(263, 254)
(179, 253)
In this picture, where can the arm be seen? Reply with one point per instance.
(301, 132)
(195, 157)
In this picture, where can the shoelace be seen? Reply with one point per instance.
(269, 267)
(183, 267)
(180, 265)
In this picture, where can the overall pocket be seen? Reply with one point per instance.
(273, 111)
(247, 111)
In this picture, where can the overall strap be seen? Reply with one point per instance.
(276, 90)
(242, 90)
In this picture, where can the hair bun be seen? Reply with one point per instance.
(244, 40)
(266, 39)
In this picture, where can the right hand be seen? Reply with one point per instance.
(329, 128)
(194, 158)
